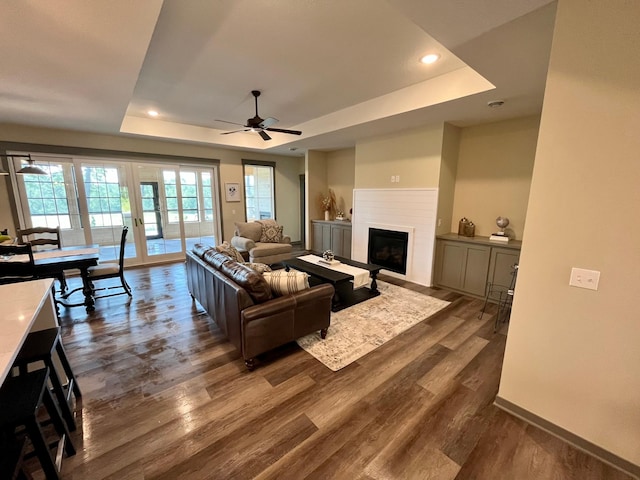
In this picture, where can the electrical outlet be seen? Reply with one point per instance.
(397, 178)
(439, 222)
(583, 278)
(393, 179)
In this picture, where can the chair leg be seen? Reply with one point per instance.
(62, 355)
(42, 449)
(62, 399)
(58, 423)
(125, 285)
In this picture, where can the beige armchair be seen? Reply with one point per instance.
(263, 241)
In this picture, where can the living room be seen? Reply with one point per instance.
(571, 356)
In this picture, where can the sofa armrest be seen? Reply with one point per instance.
(283, 319)
(243, 243)
(285, 239)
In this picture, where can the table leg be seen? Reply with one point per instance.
(374, 284)
(87, 290)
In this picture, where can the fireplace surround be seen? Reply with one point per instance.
(388, 249)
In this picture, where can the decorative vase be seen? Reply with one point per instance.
(326, 215)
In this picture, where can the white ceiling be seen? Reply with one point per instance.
(339, 70)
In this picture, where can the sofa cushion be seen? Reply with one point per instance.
(282, 282)
(200, 249)
(253, 282)
(230, 251)
(215, 258)
(251, 230)
(257, 267)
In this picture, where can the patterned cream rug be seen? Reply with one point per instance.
(357, 330)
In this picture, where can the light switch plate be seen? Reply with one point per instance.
(583, 278)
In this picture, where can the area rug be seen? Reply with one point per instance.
(357, 330)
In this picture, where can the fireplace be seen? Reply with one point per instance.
(388, 249)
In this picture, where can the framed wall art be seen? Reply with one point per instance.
(232, 192)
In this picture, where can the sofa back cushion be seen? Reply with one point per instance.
(200, 249)
(251, 230)
(215, 258)
(254, 284)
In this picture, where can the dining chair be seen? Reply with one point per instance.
(43, 238)
(16, 271)
(111, 270)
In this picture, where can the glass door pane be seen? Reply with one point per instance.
(159, 223)
(51, 200)
(105, 188)
(199, 211)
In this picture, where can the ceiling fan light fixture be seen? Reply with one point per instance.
(430, 58)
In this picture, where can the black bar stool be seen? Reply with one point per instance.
(40, 347)
(20, 400)
(12, 449)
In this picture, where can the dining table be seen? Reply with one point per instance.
(51, 262)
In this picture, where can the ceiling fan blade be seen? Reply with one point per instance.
(236, 131)
(267, 122)
(232, 123)
(282, 130)
(264, 135)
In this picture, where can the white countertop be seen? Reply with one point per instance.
(20, 305)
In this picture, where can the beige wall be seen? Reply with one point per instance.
(287, 168)
(413, 155)
(573, 355)
(316, 185)
(447, 182)
(494, 174)
(341, 171)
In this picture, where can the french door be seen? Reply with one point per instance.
(168, 208)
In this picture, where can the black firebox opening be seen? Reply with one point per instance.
(388, 249)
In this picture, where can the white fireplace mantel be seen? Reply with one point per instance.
(410, 210)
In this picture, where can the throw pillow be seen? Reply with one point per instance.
(230, 251)
(251, 230)
(258, 267)
(271, 234)
(282, 282)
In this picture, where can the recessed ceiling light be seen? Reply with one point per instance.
(152, 113)
(431, 58)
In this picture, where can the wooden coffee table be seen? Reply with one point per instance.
(345, 296)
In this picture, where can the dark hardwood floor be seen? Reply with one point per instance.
(166, 397)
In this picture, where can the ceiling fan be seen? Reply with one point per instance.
(257, 124)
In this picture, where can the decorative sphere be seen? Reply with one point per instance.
(328, 255)
(502, 222)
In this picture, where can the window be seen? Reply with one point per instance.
(207, 196)
(171, 196)
(47, 197)
(259, 191)
(189, 189)
(105, 200)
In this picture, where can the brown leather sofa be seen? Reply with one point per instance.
(239, 300)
